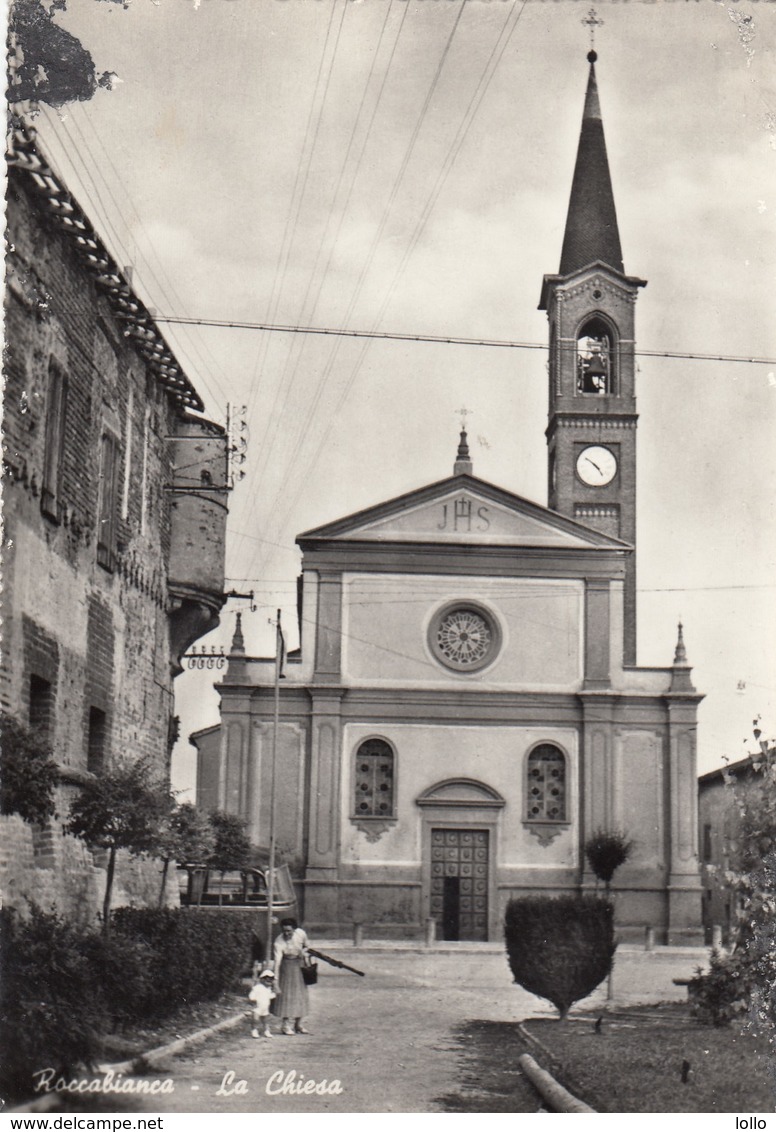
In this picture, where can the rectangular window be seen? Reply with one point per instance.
(128, 450)
(707, 843)
(144, 472)
(97, 739)
(108, 501)
(41, 707)
(53, 454)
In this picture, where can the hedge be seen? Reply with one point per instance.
(63, 988)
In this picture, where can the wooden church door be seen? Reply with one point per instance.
(459, 883)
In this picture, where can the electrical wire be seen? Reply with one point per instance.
(452, 340)
(398, 180)
(288, 386)
(97, 205)
(376, 239)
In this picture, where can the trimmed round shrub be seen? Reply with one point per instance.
(560, 948)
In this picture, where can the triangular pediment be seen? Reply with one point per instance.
(461, 510)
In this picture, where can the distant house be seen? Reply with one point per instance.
(718, 821)
(115, 511)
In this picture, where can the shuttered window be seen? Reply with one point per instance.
(53, 455)
(108, 501)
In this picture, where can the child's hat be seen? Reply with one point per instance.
(267, 975)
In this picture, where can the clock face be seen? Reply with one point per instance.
(596, 466)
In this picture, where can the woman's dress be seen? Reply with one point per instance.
(292, 1001)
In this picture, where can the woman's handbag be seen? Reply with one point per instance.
(310, 973)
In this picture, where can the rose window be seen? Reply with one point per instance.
(464, 638)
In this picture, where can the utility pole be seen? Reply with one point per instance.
(279, 651)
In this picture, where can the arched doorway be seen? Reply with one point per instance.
(459, 834)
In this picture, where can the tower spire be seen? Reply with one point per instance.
(591, 224)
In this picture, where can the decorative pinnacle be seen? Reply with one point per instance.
(680, 655)
(592, 22)
(238, 641)
(463, 464)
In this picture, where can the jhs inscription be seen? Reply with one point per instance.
(459, 519)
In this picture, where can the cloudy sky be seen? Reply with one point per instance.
(405, 165)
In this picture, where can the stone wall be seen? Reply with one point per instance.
(88, 507)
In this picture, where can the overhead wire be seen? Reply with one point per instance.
(304, 165)
(96, 201)
(377, 237)
(496, 54)
(290, 227)
(288, 385)
(456, 340)
(165, 285)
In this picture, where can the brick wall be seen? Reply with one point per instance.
(99, 636)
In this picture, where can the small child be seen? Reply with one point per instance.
(261, 996)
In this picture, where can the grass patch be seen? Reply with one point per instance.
(636, 1062)
(489, 1080)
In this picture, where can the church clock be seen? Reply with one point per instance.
(596, 466)
(590, 304)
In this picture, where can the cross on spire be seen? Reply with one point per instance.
(592, 22)
(464, 413)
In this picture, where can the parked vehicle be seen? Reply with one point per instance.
(243, 888)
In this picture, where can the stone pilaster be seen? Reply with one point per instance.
(596, 778)
(324, 805)
(597, 633)
(684, 887)
(328, 643)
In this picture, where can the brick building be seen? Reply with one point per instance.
(115, 515)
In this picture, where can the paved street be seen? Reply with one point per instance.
(387, 1038)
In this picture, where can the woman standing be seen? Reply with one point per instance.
(290, 957)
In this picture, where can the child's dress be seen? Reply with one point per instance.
(261, 996)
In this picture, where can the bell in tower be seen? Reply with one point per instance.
(593, 357)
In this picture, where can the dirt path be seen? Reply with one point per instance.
(389, 1040)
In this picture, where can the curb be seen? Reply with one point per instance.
(558, 1098)
(161, 1052)
(150, 1058)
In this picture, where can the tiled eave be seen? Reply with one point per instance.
(138, 324)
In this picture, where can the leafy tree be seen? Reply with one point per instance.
(186, 835)
(606, 850)
(743, 983)
(28, 774)
(122, 808)
(232, 848)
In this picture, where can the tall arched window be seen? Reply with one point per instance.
(374, 780)
(595, 358)
(546, 785)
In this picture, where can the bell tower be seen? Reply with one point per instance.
(590, 304)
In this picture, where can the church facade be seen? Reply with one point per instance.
(465, 710)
